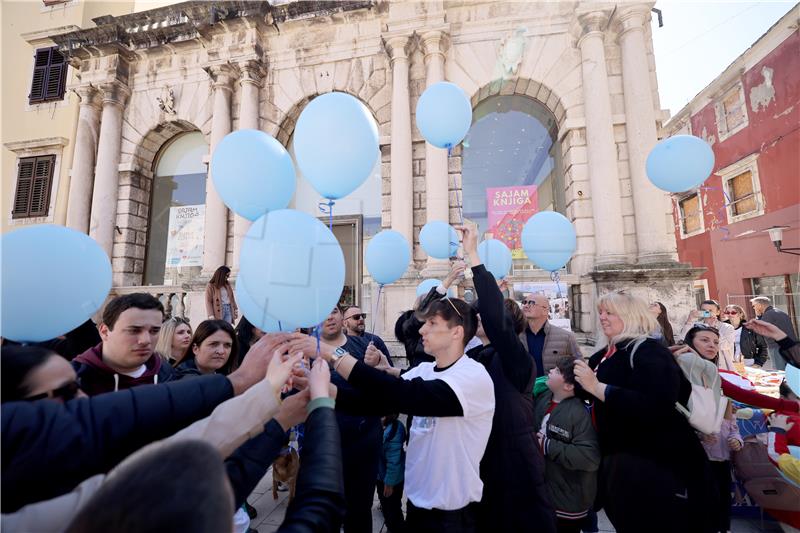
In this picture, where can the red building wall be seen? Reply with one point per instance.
(735, 253)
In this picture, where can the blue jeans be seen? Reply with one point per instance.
(227, 313)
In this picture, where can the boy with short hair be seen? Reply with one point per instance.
(569, 445)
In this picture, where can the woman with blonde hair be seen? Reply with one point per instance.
(174, 339)
(654, 475)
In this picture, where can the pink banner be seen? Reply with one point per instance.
(508, 209)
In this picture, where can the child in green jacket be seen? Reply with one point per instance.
(569, 445)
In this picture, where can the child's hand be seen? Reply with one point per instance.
(734, 444)
(710, 440)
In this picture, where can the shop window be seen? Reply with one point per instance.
(511, 168)
(177, 212)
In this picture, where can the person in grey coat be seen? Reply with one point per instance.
(545, 342)
(764, 311)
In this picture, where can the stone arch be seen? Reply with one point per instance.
(137, 167)
(524, 87)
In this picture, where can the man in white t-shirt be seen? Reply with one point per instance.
(452, 402)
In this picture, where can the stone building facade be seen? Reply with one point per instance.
(586, 70)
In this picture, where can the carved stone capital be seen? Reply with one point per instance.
(433, 43)
(114, 93)
(398, 46)
(631, 18)
(592, 23)
(89, 95)
(252, 72)
(222, 76)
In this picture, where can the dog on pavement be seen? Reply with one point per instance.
(284, 470)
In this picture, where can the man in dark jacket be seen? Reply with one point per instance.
(126, 357)
(764, 311)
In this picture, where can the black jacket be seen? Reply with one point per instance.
(318, 504)
(248, 464)
(512, 469)
(753, 346)
(48, 448)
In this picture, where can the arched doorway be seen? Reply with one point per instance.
(512, 167)
(177, 212)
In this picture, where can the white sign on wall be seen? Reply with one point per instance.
(185, 236)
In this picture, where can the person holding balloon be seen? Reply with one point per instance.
(515, 496)
(452, 401)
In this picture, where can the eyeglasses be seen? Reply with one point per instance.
(730, 312)
(454, 307)
(527, 302)
(361, 316)
(65, 393)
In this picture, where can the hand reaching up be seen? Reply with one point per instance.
(293, 410)
(280, 369)
(319, 379)
(254, 366)
(765, 329)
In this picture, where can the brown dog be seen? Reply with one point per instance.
(285, 469)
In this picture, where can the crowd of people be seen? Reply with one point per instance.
(498, 423)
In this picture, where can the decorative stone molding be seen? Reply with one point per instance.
(89, 95)
(37, 146)
(252, 72)
(114, 93)
(222, 76)
(398, 46)
(631, 18)
(433, 43)
(166, 102)
(593, 23)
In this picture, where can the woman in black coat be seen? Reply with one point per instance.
(512, 470)
(655, 475)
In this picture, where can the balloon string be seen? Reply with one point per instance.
(377, 307)
(721, 215)
(557, 280)
(280, 327)
(327, 208)
(316, 334)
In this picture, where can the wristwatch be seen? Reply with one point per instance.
(338, 353)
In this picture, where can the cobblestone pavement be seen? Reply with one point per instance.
(270, 514)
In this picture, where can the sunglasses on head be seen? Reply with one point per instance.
(65, 393)
(359, 316)
(454, 307)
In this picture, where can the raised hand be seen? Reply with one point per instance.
(456, 273)
(319, 379)
(300, 342)
(280, 369)
(372, 356)
(254, 366)
(293, 410)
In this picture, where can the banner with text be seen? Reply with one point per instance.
(185, 236)
(508, 209)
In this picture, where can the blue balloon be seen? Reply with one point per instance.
(549, 240)
(444, 114)
(53, 280)
(680, 163)
(292, 266)
(439, 239)
(256, 315)
(426, 286)
(387, 257)
(496, 257)
(253, 173)
(336, 144)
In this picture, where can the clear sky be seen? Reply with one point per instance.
(700, 39)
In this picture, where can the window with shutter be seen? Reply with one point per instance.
(49, 76)
(691, 216)
(34, 181)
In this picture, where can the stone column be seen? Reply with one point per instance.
(216, 222)
(83, 159)
(436, 186)
(402, 184)
(106, 182)
(650, 204)
(252, 74)
(601, 149)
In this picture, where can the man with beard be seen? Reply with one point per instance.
(355, 325)
(362, 436)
